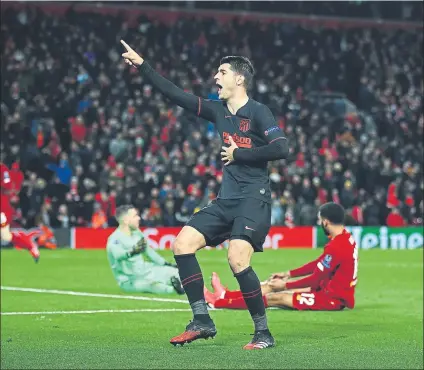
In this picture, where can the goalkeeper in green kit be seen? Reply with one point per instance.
(137, 267)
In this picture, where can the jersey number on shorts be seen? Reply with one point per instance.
(307, 298)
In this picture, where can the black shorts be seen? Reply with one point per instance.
(247, 219)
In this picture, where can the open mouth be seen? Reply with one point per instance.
(219, 88)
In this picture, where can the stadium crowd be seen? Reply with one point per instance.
(402, 10)
(82, 133)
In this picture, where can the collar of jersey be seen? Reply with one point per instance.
(240, 109)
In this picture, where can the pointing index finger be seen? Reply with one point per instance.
(126, 46)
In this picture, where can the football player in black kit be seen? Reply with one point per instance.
(242, 210)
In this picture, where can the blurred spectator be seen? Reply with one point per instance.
(307, 214)
(358, 214)
(349, 220)
(63, 171)
(182, 216)
(395, 219)
(276, 211)
(99, 219)
(46, 212)
(347, 196)
(154, 214)
(169, 211)
(17, 178)
(118, 146)
(107, 202)
(63, 216)
(78, 130)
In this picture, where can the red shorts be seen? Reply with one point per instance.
(316, 301)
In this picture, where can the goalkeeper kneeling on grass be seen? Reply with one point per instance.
(137, 267)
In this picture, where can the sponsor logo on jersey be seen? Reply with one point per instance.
(241, 141)
(272, 129)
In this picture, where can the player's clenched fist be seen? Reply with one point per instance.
(130, 56)
(227, 154)
(277, 285)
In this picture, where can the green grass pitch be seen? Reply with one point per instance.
(385, 330)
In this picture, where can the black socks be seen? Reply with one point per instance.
(192, 281)
(250, 287)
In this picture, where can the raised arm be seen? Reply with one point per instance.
(116, 249)
(202, 107)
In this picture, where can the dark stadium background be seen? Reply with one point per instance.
(82, 133)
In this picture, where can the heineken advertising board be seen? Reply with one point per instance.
(382, 237)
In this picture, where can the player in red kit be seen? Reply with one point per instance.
(327, 283)
(19, 240)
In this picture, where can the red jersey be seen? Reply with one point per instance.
(334, 272)
(395, 220)
(6, 209)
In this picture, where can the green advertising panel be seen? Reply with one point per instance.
(382, 237)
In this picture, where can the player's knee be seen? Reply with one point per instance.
(184, 245)
(188, 241)
(239, 254)
(237, 265)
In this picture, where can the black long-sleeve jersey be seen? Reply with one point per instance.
(253, 128)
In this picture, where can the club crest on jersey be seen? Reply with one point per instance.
(244, 125)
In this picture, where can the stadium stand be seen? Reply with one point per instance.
(82, 133)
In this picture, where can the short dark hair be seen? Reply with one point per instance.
(242, 66)
(333, 212)
(122, 210)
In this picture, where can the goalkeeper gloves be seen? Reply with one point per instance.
(140, 247)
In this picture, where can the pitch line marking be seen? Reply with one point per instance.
(69, 292)
(86, 294)
(95, 311)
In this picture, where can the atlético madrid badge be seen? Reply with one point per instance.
(244, 125)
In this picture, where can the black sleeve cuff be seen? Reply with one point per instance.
(273, 151)
(145, 68)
